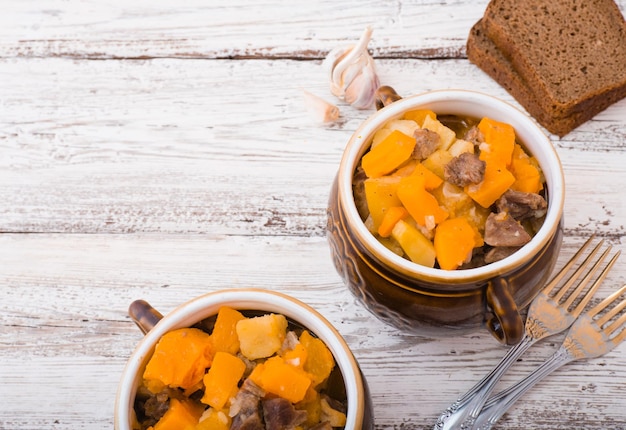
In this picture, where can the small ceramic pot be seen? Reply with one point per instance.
(431, 301)
(154, 325)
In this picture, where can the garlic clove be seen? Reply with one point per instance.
(350, 56)
(353, 76)
(320, 109)
(333, 57)
(361, 91)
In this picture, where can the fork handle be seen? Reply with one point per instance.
(497, 405)
(462, 413)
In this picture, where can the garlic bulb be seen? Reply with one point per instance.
(353, 75)
(319, 108)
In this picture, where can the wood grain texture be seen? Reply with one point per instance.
(232, 29)
(157, 150)
(157, 146)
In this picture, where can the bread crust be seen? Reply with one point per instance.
(482, 52)
(570, 53)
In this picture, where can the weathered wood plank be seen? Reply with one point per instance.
(64, 332)
(181, 146)
(233, 29)
(158, 150)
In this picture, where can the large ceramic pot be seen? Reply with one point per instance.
(431, 301)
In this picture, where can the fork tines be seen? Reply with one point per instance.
(609, 318)
(575, 293)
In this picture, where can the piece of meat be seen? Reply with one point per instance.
(498, 253)
(245, 408)
(290, 342)
(247, 422)
(426, 142)
(474, 135)
(464, 170)
(155, 407)
(502, 230)
(280, 414)
(521, 205)
(358, 190)
(250, 387)
(151, 407)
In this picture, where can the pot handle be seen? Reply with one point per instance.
(384, 96)
(506, 323)
(144, 315)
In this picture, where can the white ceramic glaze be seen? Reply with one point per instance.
(208, 305)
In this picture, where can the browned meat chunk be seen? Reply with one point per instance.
(155, 407)
(474, 135)
(248, 422)
(499, 252)
(426, 142)
(251, 388)
(522, 205)
(245, 408)
(464, 170)
(358, 189)
(502, 230)
(280, 414)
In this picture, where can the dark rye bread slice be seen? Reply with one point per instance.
(570, 53)
(485, 54)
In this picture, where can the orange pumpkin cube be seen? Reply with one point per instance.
(431, 180)
(222, 379)
(496, 181)
(181, 415)
(391, 217)
(526, 171)
(385, 157)
(422, 205)
(454, 242)
(500, 140)
(283, 380)
(296, 356)
(180, 359)
(224, 335)
(320, 360)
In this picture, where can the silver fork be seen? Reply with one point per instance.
(547, 315)
(588, 337)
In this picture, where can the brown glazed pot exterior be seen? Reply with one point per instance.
(421, 307)
(436, 302)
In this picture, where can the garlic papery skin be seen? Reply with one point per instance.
(320, 109)
(353, 76)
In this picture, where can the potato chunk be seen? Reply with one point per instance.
(260, 337)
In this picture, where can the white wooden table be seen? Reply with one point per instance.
(161, 150)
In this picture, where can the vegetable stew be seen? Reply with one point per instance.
(241, 370)
(449, 192)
